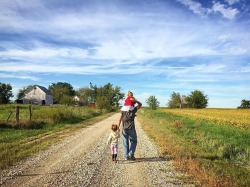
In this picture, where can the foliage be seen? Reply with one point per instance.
(44, 115)
(61, 91)
(85, 95)
(67, 100)
(197, 99)
(176, 100)
(5, 93)
(245, 103)
(153, 102)
(107, 97)
(201, 148)
(20, 141)
(21, 91)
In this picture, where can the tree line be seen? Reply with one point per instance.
(108, 96)
(196, 99)
(105, 97)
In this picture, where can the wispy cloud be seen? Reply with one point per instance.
(223, 9)
(231, 2)
(150, 41)
(227, 12)
(5, 75)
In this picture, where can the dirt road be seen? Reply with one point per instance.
(84, 160)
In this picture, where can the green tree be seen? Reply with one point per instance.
(175, 100)
(107, 97)
(60, 90)
(152, 102)
(5, 93)
(85, 95)
(245, 103)
(197, 99)
(21, 91)
(67, 100)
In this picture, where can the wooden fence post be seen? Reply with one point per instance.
(17, 114)
(30, 113)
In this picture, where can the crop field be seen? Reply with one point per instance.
(212, 145)
(235, 117)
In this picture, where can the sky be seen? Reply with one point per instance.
(151, 47)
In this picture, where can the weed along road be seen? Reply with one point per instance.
(84, 159)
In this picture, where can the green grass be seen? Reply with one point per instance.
(18, 142)
(216, 155)
(42, 115)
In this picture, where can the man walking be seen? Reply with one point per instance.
(129, 136)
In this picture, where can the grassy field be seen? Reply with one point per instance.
(48, 126)
(213, 145)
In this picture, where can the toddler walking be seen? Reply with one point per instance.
(113, 141)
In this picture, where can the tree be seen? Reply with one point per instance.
(245, 103)
(107, 96)
(85, 95)
(152, 102)
(21, 91)
(60, 90)
(5, 93)
(175, 100)
(197, 99)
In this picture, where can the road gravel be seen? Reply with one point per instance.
(84, 159)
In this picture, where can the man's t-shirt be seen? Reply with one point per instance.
(128, 119)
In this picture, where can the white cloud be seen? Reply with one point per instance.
(231, 2)
(43, 53)
(163, 49)
(11, 75)
(197, 8)
(227, 12)
(194, 6)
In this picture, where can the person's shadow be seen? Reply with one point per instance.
(146, 159)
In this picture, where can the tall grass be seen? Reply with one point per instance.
(215, 154)
(42, 115)
(48, 126)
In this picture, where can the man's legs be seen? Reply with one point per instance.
(133, 141)
(125, 143)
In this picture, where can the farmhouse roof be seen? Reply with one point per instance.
(45, 90)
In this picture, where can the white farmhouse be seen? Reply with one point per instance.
(37, 95)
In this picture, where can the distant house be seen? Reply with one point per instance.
(76, 98)
(36, 95)
(183, 102)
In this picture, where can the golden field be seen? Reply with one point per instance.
(236, 117)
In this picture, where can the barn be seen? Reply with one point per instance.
(37, 95)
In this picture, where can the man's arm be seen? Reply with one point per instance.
(138, 104)
(119, 123)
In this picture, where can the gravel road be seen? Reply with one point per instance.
(84, 160)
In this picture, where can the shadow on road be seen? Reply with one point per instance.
(145, 159)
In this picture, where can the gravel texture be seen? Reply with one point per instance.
(84, 159)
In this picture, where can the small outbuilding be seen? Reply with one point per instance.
(37, 95)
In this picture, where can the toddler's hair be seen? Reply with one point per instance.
(114, 127)
(130, 93)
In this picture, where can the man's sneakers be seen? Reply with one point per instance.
(130, 157)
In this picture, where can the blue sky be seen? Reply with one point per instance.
(152, 47)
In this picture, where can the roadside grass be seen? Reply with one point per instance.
(42, 115)
(214, 154)
(20, 142)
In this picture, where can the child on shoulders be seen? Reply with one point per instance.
(129, 102)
